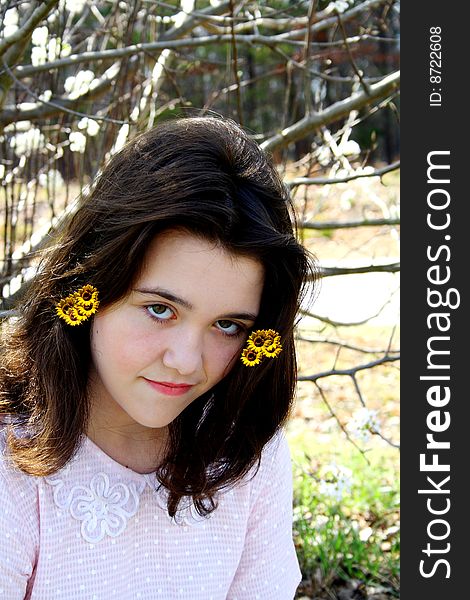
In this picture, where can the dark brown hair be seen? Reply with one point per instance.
(204, 175)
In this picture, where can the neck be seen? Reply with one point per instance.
(136, 451)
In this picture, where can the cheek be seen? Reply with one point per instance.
(117, 347)
(224, 358)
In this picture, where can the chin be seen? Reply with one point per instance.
(157, 422)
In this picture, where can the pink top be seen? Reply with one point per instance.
(97, 530)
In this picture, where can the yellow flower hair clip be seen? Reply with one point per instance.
(263, 343)
(79, 306)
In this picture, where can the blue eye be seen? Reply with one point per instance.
(160, 311)
(229, 328)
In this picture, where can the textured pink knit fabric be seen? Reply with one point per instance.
(99, 531)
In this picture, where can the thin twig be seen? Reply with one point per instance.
(328, 321)
(324, 340)
(343, 428)
(235, 65)
(385, 439)
(329, 181)
(349, 372)
(351, 57)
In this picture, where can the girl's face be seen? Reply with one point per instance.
(177, 333)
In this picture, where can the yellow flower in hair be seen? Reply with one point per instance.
(256, 340)
(250, 357)
(86, 309)
(273, 351)
(79, 306)
(263, 343)
(271, 340)
(71, 317)
(87, 300)
(65, 306)
(86, 293)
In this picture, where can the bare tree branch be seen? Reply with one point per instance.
(327, 181)
(349, 372)
(325, 340)
(325, 225)
(332, 271)
(360, 75)
(340, 109)
(385, 439)
(235, 65)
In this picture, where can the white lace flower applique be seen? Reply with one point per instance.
(102, 508)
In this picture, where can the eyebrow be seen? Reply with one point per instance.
(244, 316)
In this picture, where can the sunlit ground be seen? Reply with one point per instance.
(344, 437)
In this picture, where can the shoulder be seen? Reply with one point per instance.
(275, 468)
(276, 454)
(16, 486)
(19, 525)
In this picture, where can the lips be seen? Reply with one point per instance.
(169, 388)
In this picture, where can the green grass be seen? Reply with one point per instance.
(355, 534)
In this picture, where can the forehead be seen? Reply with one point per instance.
(201, 270)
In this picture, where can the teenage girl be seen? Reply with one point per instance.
(144, 386)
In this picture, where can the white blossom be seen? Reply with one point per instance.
(52, 177)
(365, 534)
(73, 6)
(2, 171)
(347, 197)
(38, 56)
(121, 138)
(365, 170)
(56, 48)
(336, 481)
(186, 7)
(52, 18)
(77, 142)
(79, 84)
(363, 422)
(324, 156)
(92, 127)
(350, 148)
(24, 143)
(46, 95)
(10, 22)
(18, 126)
(40, 35)
(53, 50)
(340, 5)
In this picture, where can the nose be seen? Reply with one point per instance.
(183, 353)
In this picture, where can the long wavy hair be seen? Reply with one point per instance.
(207, 176)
